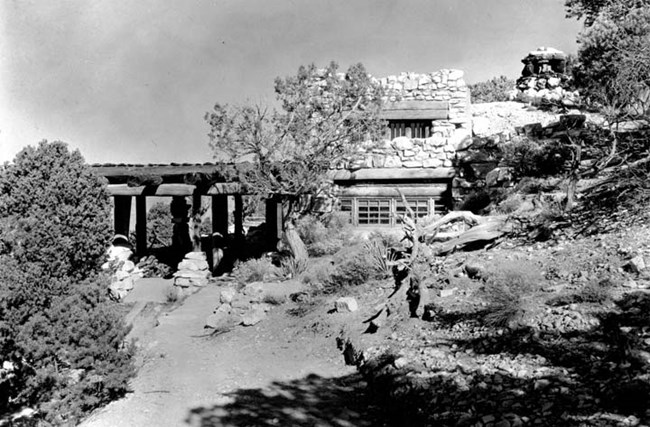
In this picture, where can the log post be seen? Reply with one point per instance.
(239, 216)
(196, 222)
(141, 225)
(273, 221)
(122, 215)
(220, 214)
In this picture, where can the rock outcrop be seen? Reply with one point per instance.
(544, 79)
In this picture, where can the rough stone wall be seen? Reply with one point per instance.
(446, 135)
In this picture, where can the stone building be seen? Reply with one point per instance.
(429, 119)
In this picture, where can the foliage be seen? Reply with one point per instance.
(529, 158)
(325, 116)
(493, 90)
(58, 330)
(614, 54)
(152, 267)
(292, 267)
(255, 270)
(352, 267)
(159, 226)
(382, 257)
(324, 234)
(55, 211)
(508, 292)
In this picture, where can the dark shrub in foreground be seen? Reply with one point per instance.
(61, 340)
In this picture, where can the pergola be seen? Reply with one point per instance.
(129, 181)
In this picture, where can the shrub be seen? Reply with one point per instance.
(56, 211)
(255, 270)
(292, 267)
(352, 267)
(325, 234)
(493, 90)
(531, 159)
(62, 336)
(508, 292)
(381, 256)
(159, 226)
(152, 267)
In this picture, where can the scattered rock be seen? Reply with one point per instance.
(220, 320)
(227, 295)
(444, 293)
(346, 305)
(254, 316)
(636, 264)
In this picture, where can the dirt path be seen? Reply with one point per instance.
(275, 373)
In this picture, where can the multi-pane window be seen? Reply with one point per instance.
(420, 207)
(373, 211)
(386, 210)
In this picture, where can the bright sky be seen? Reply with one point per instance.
(130, 82)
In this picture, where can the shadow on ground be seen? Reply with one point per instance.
(309, 401)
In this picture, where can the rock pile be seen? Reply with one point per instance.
(193, 272)
(246, 307)
(544, 80)
(120, 263)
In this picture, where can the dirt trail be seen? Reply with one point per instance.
(275, 373)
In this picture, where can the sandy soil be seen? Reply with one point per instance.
(279, 372)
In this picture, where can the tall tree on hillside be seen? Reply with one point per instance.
(613, 70)
(325, 117)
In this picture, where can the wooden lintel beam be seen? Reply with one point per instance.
(432, 190)
(144, 190)
(392, 174)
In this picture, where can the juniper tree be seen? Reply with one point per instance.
(324, 117)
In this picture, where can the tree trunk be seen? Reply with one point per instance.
(295, 243)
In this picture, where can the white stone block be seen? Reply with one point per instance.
(346, 304)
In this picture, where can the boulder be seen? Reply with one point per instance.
(346, 305)
(186, 282)
(255, 291)
(636, 264)
(254, 316)
(444, 293)
(227, 295)
(220, 320)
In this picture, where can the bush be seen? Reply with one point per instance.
(59, 333)
(531, 159)
(255, 270)
(493, 90)
(159, 226)
(352, 267)
(55, 210)
(325, 234)
(508, 292)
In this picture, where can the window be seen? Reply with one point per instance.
(410, 128)
(374, 211)
(420, 207)
(384, 211)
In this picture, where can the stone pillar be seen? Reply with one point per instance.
(122, 215)
(239, 216)
(220, 214)
(141, 225)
